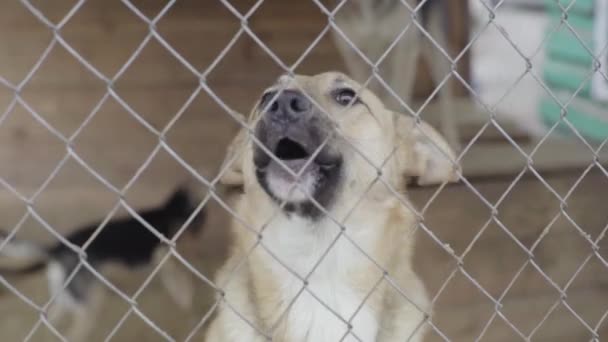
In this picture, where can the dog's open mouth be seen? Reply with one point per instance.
(288, 149)
(296, 166)
(292, 154)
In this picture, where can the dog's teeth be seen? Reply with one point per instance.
(327, 166)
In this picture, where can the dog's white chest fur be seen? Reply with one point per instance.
(324, 309)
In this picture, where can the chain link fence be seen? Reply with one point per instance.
(373, 68)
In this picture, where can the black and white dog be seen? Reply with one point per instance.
(122, 242)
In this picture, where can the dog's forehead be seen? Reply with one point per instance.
(292, 81)
(319, 82)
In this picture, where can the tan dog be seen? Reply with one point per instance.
(327, 257)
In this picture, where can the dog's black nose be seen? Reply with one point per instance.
(289, 106)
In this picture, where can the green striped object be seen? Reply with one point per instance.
(568, 68)
(563, 44)
(584, 7)
(567, 76)
(578, 21)
(588, 117)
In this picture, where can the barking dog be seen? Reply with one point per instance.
(122, 242)
(328, 253)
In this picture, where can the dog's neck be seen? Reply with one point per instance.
(289, 232)
(329, 255)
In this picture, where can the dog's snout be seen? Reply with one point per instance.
(288, 106)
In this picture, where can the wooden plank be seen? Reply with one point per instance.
(495, 263)
(116, 14)
(471, 117)
(459, 37)
(156, 65)
(113, 142)
(465, 323)
(457, 215)
(106, 33)
(467, 207)
(108, 53)
(554, 155)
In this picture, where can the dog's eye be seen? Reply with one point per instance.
(345, 97)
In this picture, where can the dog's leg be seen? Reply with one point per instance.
(176, 279)
(355, 65)
(440, 68)
(82, 304)
(407, 322)
(56, 276)
(228, 326)
(84, 315)
(357, 26)
(58, 309)
(403, 65)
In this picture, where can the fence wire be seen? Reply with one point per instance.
(330, 11)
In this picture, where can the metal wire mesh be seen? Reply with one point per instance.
(330, 11)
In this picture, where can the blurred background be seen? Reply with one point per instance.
(88, 87)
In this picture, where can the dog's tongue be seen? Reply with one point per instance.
(282, 168)
(295, 165)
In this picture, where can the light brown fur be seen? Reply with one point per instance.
(376, 257)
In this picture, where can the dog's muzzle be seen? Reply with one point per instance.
(295, 132)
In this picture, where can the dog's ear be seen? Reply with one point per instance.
(233, 162)
(423, 152)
